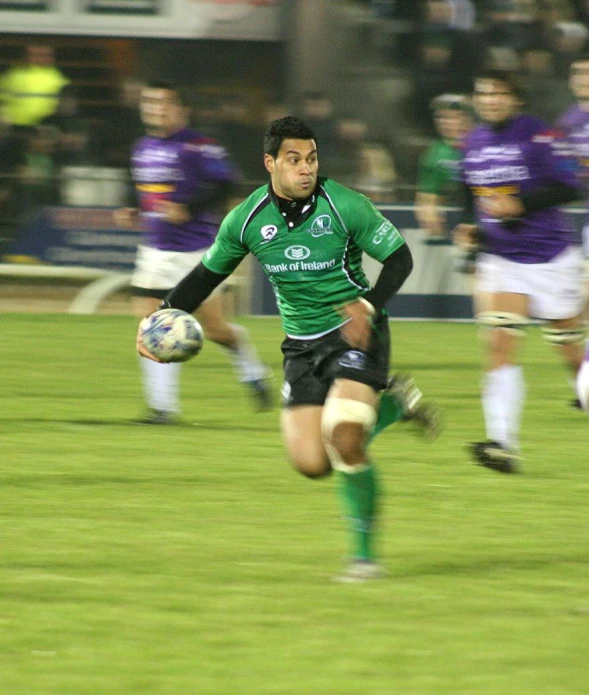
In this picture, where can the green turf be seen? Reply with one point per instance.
(193, 561)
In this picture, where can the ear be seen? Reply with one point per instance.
(269, 163)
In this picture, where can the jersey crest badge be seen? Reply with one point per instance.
(320, 226)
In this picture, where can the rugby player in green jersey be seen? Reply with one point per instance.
(438, 182)
(308, 233)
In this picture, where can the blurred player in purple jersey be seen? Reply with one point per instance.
(575, 123)
(519, 172)
(183, 181)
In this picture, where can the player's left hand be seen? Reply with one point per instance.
(357, 331)
(502, 206)
(174, 213)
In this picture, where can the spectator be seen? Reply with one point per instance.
(377, 177)
(10, 161)
(317, 112)
(37, 175)
(123, 126)
(513, 27)
(30, 92)
(462, 15)
(433, 75)
(567, 40)
(74, 145)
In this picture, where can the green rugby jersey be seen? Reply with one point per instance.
(438, 171)
(314, 263)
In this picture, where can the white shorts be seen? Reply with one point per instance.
(583, 385)
(554, 289)
(162, 270)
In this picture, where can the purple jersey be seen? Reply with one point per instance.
(521, 157)
(575, 123)
(176, 168)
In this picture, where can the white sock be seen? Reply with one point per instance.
(583, 385)
(244, 357)
(161, 384)
(503, 398)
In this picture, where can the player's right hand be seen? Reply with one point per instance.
(358, 330)
(465, 236)
(126, 218)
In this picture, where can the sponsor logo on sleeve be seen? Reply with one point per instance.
(381, 232)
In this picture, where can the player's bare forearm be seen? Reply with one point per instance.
(126, 218)
(465, 236)
(174, 213)
(502, 207)
(428, 212)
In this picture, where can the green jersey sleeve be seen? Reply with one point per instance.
(370, 230)
(228, 250)
(427, 179)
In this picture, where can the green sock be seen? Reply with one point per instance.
(359, 491)
(390, 410)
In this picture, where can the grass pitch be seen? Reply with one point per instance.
(193, 561)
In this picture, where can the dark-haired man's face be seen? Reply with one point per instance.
(293, 173)
(161, 112)
(494, 101)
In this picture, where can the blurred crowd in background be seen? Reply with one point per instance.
(437, 45)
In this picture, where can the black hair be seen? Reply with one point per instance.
(169, 87)
(289, 127)
(508, 78)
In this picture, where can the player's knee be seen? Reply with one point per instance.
(347, 439)
(344, 425)
(574, 335)
(314, 468)
(316, 473)
(507, 322)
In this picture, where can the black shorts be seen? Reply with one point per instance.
(311, 366)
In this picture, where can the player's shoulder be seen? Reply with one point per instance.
(537, 129)
(441, 149)
(195, 142)
(142, 143)
(348, 203)
(477, 136)
(337, 193)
